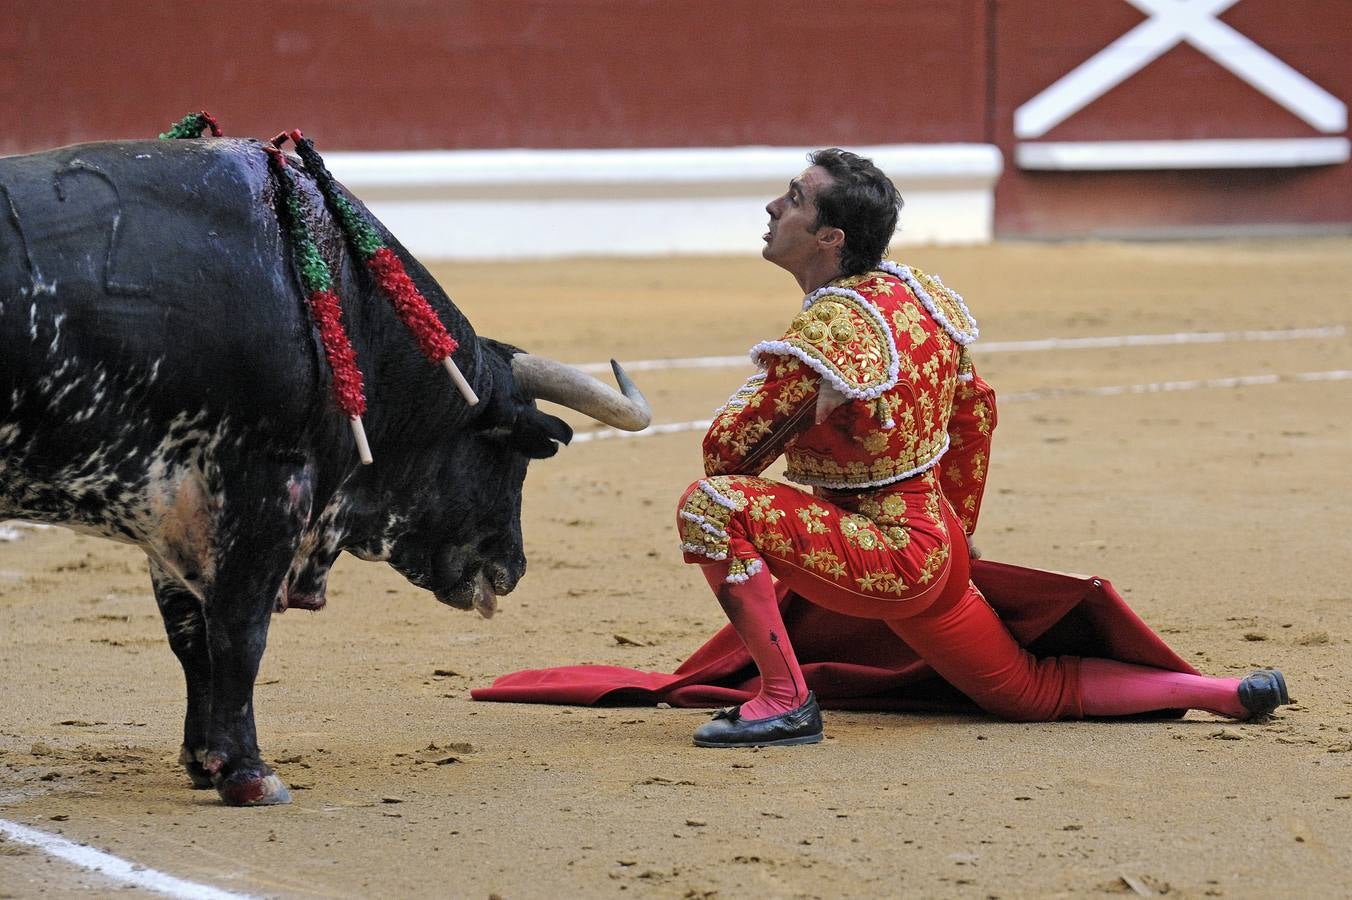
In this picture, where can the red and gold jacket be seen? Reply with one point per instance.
(893, 343)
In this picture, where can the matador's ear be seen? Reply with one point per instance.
(831, 238)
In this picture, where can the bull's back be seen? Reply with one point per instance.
(146, 298)
(135, 256)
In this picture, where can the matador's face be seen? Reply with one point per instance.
(792, 239)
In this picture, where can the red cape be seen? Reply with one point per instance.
(856, 663)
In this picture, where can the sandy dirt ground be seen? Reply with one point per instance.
(1220, 511)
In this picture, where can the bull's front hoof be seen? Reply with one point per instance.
(253, 789)
(201, 778)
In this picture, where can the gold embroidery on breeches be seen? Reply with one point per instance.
(892, 546)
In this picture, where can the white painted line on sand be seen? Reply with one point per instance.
(1160, 340)
(1033, 346)
(689, 362)
(1160, 387)
(1111, 390)
(111, 867)
(668, 428)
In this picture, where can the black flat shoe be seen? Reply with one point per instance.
(797, 726)
(1263, 691)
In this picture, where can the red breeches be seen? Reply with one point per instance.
(879, 555)
(967, 644)
(897, 554)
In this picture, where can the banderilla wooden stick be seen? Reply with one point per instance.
(363, 446)
(465, 390)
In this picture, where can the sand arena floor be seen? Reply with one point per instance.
(1220, 509)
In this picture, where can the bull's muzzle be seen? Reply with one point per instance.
(469, 583)
(477, 593)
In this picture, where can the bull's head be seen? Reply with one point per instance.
(466, 545)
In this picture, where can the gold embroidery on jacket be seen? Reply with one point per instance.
(946, 303)
(899, 536)
(793, 393)
(846, 338)
(874, 442)
(979, 466)
(907, 321)
(875, 284)
(902, 431)
(747, 418)
(983, 414)
(808, 468)
(965, 368)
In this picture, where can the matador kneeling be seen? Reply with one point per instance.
(872, 398)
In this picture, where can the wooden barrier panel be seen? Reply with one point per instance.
(1073, 79)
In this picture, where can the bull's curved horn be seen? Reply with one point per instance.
(546, 379)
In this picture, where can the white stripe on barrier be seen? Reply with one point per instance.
(1112, 390)
(1042, 344)
(111, 867)
(1250, 153)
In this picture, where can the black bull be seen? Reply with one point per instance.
(162, 384)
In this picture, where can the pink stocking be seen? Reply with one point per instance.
(753, 610)
(1111, 688)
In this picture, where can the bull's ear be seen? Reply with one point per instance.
(538, 435)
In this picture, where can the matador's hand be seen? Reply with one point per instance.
(973, 551)
(828, 400)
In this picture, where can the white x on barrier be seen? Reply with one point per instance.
(1172, 22)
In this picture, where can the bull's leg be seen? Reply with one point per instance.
(237, 637)
(259, 533)
(186, 626)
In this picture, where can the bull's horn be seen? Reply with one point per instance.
(546, 379)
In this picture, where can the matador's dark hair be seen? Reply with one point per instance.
(862, 202)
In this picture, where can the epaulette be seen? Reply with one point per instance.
(944, 304)
(842, 337)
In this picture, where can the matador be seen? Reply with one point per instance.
(871, 397)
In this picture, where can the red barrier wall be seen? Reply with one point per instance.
(458, 74)
(421, 74)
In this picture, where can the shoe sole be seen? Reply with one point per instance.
(782, 742)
